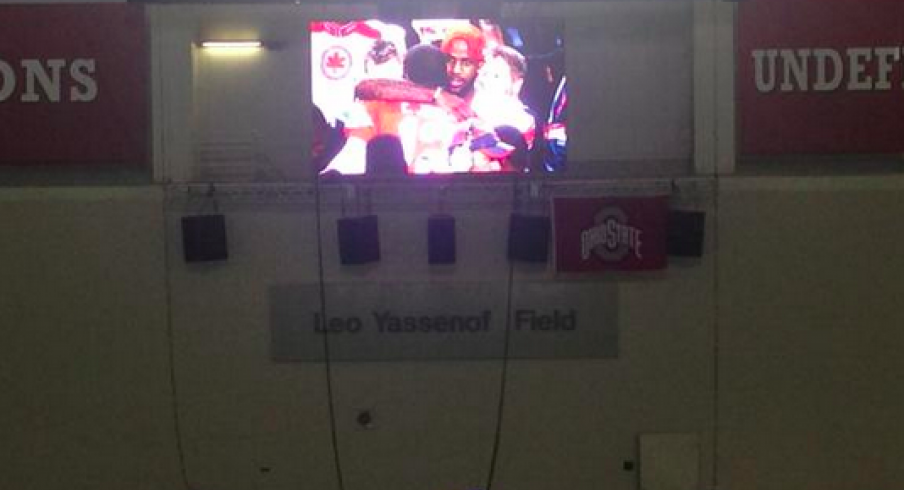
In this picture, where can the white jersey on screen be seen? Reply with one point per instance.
(338, 55)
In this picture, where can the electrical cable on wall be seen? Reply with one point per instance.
(171, 351)
(715, 254)
(716, 333)
(326, 334)
(503, 377)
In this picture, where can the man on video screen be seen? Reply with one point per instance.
(456, 106)
(463, 45)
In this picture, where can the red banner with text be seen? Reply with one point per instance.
(821, 77)
(608, 233)
(73, 84)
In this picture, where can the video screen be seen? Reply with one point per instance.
(438, 97)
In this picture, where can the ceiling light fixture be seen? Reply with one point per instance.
(232, 44)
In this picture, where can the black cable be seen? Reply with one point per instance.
(503, 381)
(326, 342)
(717, 349)
(716, 334)
(170, 334)
(171, 344)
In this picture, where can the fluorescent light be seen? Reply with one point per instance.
(231, 44)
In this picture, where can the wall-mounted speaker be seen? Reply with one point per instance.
(685, 233)
(528, 239)
(441, 239)
(359, 240)
(204, 238)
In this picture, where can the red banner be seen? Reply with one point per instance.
(821, 76)
(73, 84)
(619, 234)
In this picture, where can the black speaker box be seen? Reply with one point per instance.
(528, 239)
(685, 233)
(441, 239)
(204, 238)
(359, 240)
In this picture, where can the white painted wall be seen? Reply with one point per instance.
(809, 277)
(86, 399)
(793, 309)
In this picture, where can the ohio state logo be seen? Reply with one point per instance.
(611, 238)
(336, 62)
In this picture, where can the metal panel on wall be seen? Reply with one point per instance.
(399, 321)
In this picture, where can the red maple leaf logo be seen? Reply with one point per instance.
(335, 61)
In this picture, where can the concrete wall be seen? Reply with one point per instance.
(792, 311)
(809, 274)
(86, 393)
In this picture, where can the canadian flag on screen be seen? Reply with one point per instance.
(610, 233)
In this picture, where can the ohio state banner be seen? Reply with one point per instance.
(608, 233)
(820, 76)
(73, 84)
